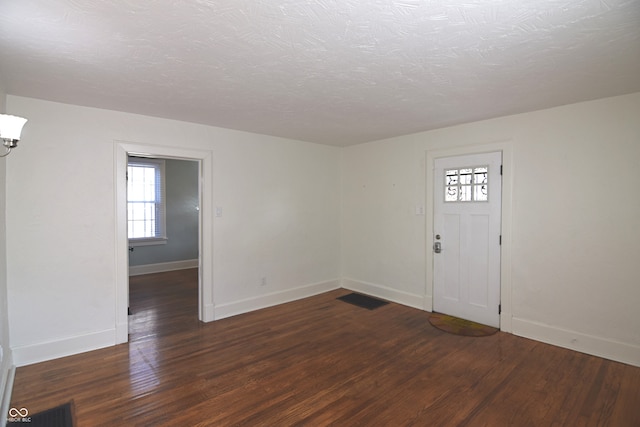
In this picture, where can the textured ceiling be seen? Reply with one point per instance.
(337, 72)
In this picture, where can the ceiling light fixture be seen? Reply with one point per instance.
(10, 129)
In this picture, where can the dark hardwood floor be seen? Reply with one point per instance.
(320, 361)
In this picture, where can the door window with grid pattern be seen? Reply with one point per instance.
(469, 184)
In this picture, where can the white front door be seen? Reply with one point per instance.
(466, 240)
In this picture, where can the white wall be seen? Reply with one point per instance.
(575, 220)
(5, 350)
(280, 203)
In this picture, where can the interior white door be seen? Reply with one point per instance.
(466, 240)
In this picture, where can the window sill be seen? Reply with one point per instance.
(148, 242)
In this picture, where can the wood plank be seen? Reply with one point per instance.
(321, 361)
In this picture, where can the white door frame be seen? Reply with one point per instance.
(122, 150)
(505, 250)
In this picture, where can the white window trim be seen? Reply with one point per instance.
(162, 239)
(148, 241)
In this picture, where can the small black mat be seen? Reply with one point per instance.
(60, 416)
(363, 301)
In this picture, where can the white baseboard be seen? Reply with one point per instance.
(589, 344)
(137, 270)
(275, 298)
(6, 387)
(405, 298)
(35, 353)
(6, 362)
(208, 314)
(122, 332)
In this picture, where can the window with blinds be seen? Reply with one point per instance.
(145, 201)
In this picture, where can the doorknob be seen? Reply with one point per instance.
(437, 247)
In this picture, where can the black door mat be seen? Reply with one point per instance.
(363, 301)
(60, 416)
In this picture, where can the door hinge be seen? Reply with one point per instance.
(500, 169)
(500, 240)
(499, 308)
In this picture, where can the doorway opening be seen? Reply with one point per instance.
(163, 206)
(203, 160)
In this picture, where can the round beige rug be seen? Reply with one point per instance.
(455, 325)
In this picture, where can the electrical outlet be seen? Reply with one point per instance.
(419, 210)
(263, 281)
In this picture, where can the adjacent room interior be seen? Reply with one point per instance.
(417, 152)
